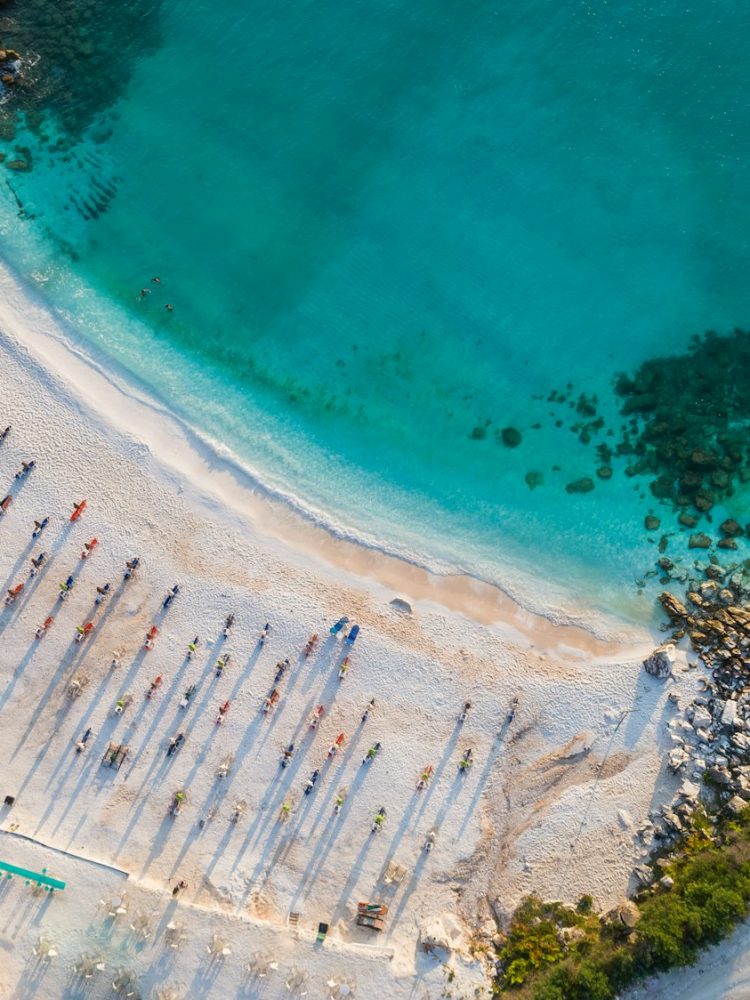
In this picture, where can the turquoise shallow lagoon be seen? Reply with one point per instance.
(388, 230)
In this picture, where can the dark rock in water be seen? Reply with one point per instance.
(663, 487)
(687, 520)
(727, 543)
(721, 479)
(604, 472)
(704, 500)
(635, 469)
(663, 543)
(534, 479)
(18, 165)
(687, 418)
(703, 459)
(699, 541)
(640, 403)
(651, 523)
(478, 433)
(584, 485)
(730, 527)
(673, 607)
(511, 437)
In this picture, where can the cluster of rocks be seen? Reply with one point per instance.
(687, 416)
(716, 619)
(76, 63)
(710, 732)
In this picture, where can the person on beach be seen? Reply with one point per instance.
(192, 647)
(229, 622)
(424, 778)
(101, 594)
(37, 563)
(39, 527)
(379, 819)
(371, 753)
(171, 594)
(182, 884)
(264, 633)
(5, 433)
(26, 468)
(221, 663)
(130, 567)
(281, 667)
(78, 509)
(5, 503)
(368, 710)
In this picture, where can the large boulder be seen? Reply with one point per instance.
(626, 914)
(661, 661)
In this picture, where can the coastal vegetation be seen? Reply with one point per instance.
(701, 890)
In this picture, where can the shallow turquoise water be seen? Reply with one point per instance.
(382, 226)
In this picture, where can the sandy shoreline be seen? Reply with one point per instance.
(547, 622)
(540, 810)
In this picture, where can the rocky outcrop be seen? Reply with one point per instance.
(661, 662)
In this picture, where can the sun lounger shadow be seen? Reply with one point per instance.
(24, 557)
(481, 783)
(63, 667)
(285, 779)
(329, 655)
(354, 874)
(219, 852)
(428, 792)
(162, 707)
(334, 783)
(316, 864)
(407, 890)
(17, 673)
(159, 840)
(90, 771)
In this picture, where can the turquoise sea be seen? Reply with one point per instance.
(389, 230)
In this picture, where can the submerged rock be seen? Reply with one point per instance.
(511, 437)
(651, 523)
(584, 485)
(699, 541)
(730, 527)
(533, 479)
